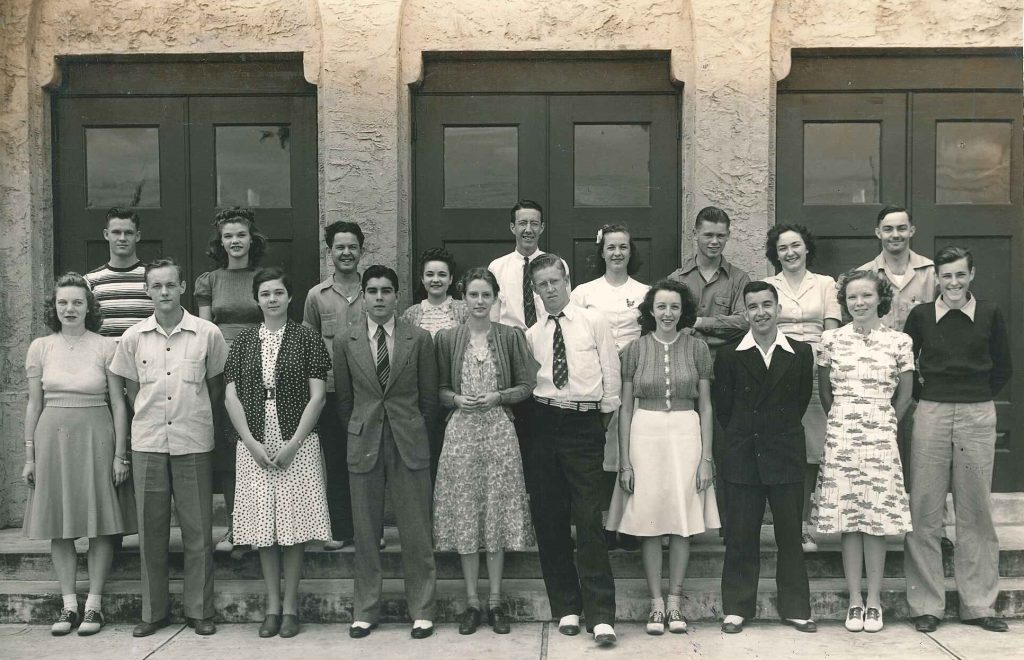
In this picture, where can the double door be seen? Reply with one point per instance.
(588, 159)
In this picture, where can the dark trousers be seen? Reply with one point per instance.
(745, 504)
(521, 413)
(334, 441)
(566, 480)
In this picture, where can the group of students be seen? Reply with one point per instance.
(578, 419)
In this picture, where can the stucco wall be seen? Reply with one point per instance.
(362, 54)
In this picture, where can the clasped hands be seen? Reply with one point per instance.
(279, 461)
(476, 402)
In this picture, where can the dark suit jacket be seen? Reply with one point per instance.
(409, 402)
(761, 411)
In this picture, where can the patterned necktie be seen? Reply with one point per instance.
(559, 365)
(529, 307)
(383, 365)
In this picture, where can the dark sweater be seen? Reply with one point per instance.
(960, 361)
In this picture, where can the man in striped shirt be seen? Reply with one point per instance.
(120, 284)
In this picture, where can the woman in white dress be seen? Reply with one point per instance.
(275, 389)
(807, 307)
(617, 296)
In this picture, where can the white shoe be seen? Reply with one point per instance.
(604, 634)
(807, 542)
(676, 621)
(656, 622)
(855, 619)
(569, 624)
(225, 544)
(873, 619)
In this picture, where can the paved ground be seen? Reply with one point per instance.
(534, 641)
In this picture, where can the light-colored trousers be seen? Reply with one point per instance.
(189, 478)
(952, 442)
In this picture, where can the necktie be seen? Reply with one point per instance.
(559, 365)
(529, 308)
(383, 365)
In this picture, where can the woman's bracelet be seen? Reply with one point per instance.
(124, 459)
(710, 460)
(625, 469)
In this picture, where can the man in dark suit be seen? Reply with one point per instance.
(385, 377)
(761, 391)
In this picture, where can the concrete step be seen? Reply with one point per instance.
(21, 559)
(330, 600)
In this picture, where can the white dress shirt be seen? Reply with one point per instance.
(589, 352)
(748, 342)
(619, 304)
(941, 308)
(389, 338)
(508, 308)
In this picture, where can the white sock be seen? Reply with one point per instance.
(71, 602)
(94, 602)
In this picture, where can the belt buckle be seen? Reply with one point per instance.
(269, 393)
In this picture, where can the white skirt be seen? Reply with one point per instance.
(665, 451)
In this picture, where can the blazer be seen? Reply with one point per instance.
(517, 370)
(409, 403)
(761, 411)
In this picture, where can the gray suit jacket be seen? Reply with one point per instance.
(409, 402)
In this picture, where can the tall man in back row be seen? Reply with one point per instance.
(578, 389)
(120, 284)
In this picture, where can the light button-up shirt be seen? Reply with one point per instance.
(917, 286)
(173, 413)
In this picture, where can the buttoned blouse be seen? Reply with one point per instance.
(173, 413)
(619, 304)
(802, 313)
(300, 357)
(666, 373)
(433, 318)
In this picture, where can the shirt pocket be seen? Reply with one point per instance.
(193, 371)
(329, 325)
(148, 372)
(722, 305)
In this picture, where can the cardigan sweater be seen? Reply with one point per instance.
(517, 370)
(959, 360)
(302, 356)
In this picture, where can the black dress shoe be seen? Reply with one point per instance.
(358, 632)
(732, 628)
(926, 623)
(807, 626)
(271, 625)
(145, 629)
(203, 626)
(498, 620)
(423, 633)
(611, 540)
(989, 623)
(470, 621)
(289, 625)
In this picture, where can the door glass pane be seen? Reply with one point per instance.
(612, 165)
(254, 166)
(972, 162)
(481, 166)
(122, 167)
(842, 162)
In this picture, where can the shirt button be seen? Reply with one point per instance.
(168, 348)
(168, 398)
(168, 373)
(169, 423)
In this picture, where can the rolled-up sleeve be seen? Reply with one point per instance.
(611, 373)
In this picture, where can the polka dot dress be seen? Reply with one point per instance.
(272, 506)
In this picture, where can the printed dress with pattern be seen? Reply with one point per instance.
(860, 486)
(480, 497)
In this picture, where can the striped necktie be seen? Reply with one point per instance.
(383, 365)
(559, 364)
(529, 306)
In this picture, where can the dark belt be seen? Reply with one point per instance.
(269, 393)
(578, 406)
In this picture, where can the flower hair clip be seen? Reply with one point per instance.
(600, 236)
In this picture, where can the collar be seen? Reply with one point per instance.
(690, 264)
(519, 257)
(781, 341)
(444, 307)
(188, 322)
(389, 326)
(941, 308)
(570, 311)
(329, 284)
(126, 269)
(916, 261)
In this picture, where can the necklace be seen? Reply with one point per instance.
(71, 344)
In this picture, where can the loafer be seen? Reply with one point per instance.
(989, 623)
(498, 620)
(926, 623)
(271, 625)
(470, 621)
(91, 624)
(873, 620)
(358, 632)
(569, 625)
(147, 628)
(203, 626)
(731, 628)
(855, 619)
(422, 632)
(289, 625)
(64, 623)
(807, 626)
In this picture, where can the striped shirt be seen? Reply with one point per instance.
(121, 293)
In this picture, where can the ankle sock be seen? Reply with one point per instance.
(71, 602)
(657, 604)
(494, 600)
(674, 602)
(473, 601)
(94, 602)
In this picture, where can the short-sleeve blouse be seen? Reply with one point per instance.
(432, 318)
(228, 294)
(802, 313)
(865, 366)
(666, 371)
(73, 375)
(620, 306)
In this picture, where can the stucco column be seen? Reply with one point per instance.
(732, 92)
(359, 114)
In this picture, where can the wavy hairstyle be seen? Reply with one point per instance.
(687, 316)
(634, 263)
(882, 286)
(93, 314)
(258, 245)
(478, 273)
(435, 254)
(771, 244)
